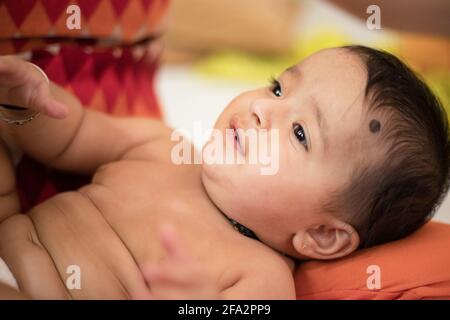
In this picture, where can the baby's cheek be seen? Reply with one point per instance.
(271, 191)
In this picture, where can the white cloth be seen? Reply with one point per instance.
(6, 275)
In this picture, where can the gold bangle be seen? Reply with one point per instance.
(20, 116)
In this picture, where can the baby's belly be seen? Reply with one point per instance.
(65, 248)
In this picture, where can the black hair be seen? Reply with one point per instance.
(390, 198)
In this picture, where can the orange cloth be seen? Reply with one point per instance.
(417, 267)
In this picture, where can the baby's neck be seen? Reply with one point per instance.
(243, 230)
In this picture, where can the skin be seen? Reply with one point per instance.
(128, 212)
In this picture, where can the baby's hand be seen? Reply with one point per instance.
(23, 85)
(179, 276)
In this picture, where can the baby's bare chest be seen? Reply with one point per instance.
(136, 199)
(139, 192)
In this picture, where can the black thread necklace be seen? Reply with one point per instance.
(242, 229)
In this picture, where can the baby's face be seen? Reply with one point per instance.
(316, 107)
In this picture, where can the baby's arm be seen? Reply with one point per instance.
(66, 135)
(9, 200)
(8, 293)
(268, 283)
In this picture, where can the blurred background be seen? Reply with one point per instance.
(215, 50)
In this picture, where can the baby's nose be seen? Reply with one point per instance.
(260, 112)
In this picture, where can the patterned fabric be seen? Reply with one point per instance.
(25, 24)
(108, 64)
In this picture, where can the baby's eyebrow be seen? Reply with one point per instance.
(321, 123)
(295, 70)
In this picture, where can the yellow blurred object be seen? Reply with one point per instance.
(439, 82)
(322, 38)
(197, 27)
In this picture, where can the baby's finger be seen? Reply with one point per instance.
(12, 71)
(36, 96)
(41, 100)
(51, 107)
(172, 243)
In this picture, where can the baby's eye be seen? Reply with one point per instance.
(276, 88)
(300, 134)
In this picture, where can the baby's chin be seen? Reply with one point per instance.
(208, 179)
(216, 184)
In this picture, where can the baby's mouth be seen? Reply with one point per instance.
(236, 136)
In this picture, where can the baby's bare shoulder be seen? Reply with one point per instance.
(261, 273)
(133, 175)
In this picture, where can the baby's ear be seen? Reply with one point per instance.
(331, 240)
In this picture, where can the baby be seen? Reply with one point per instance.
(363, 150)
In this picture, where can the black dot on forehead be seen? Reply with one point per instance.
(374, 125)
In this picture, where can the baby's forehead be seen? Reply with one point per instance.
(335, 55)
(331, 63)
(335, 80)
